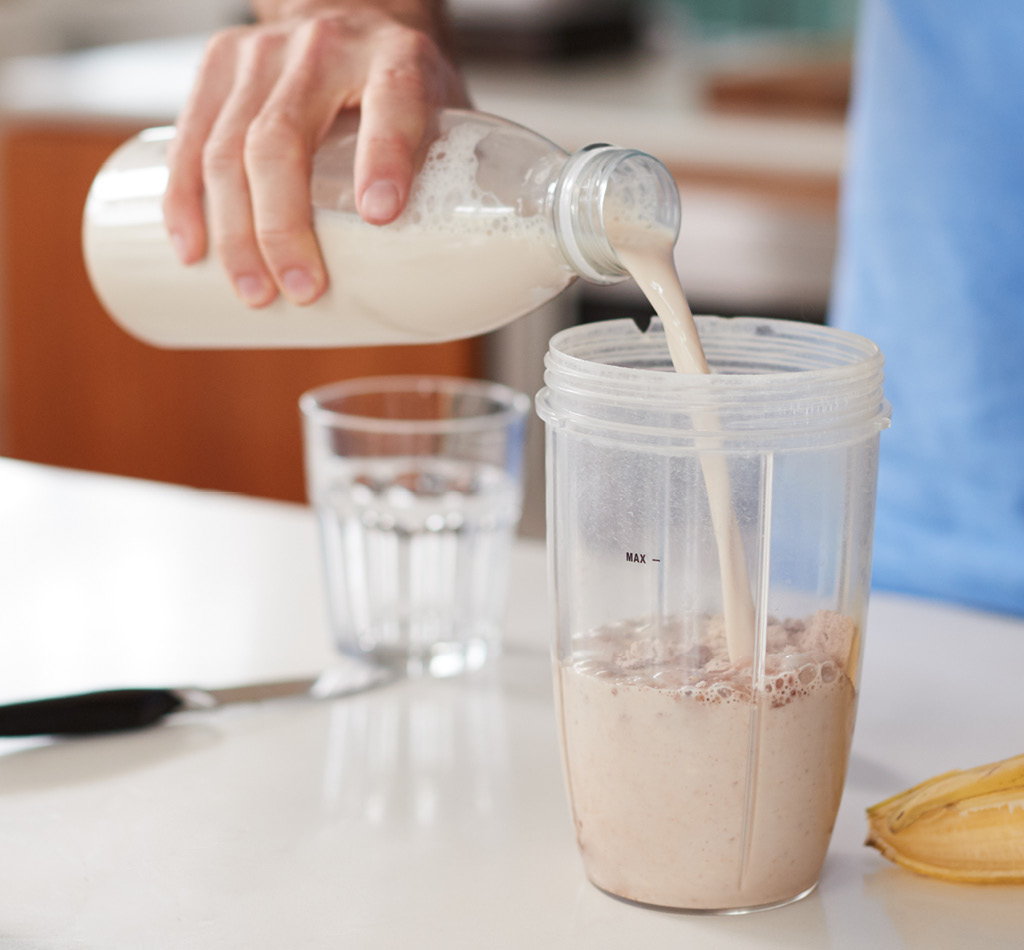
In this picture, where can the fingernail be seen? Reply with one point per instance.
(380, 201)
(251, 288)
(298, 284)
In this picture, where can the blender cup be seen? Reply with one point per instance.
(704, 754)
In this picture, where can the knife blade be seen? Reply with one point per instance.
(115, 710)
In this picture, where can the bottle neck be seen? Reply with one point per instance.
(599, 186)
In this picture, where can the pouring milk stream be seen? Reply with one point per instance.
(647, 255)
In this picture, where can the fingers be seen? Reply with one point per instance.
(315, 74)
(264, 100)
(278, 157)
(229, 201)
(405, 85)
(183, 199)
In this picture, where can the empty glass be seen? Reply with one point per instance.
(417, 485)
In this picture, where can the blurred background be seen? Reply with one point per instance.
(744, 100)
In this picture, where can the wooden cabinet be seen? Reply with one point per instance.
(77, 391)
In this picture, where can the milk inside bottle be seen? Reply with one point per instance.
(499, 221)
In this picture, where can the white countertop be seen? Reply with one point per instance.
(418, 815)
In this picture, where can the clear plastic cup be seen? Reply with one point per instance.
(417, 485)
(703, 775)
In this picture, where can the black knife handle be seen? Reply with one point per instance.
(107, 711)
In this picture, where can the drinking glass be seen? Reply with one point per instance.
(417, 485)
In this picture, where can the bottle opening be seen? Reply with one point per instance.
(602, 186)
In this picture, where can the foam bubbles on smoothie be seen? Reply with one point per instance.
(803, 656)
(786, 685)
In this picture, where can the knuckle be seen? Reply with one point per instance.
(320, 33)
(274, 138)
(390, 150)
(260, 47)
(278, 240)
(317, 44)
(414, 46)
(405, 83)
(409, 68)
(222, 45)
(221, 155)
(337, 26)
(283, 248)
(235, 251)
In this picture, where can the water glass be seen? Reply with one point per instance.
(417, 485)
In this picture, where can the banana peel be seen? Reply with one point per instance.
(959, 826)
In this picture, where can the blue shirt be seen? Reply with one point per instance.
(931, 267)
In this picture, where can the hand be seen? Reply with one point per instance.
(263, 101)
